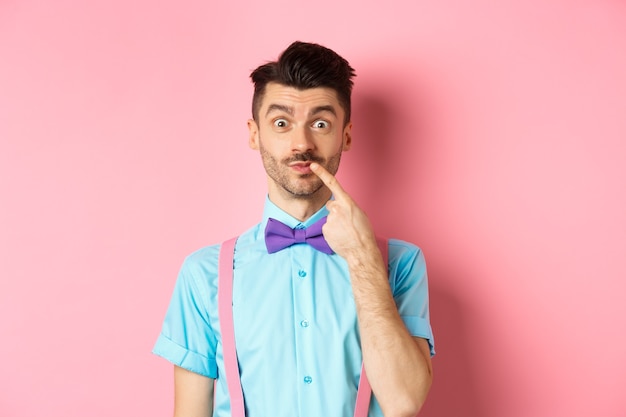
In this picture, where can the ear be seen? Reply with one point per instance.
(347, 137)
(253, 130)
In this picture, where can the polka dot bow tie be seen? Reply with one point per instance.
(279, 236)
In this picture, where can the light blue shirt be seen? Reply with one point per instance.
(295, 322)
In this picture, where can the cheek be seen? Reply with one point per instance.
(271, 149)
(269, 153)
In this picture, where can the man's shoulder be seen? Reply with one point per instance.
(402, 246)
(209, 254)
(404, 254)
(204, 253)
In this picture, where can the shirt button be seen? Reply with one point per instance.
(308, 379)
(301, 273)
(304, 323)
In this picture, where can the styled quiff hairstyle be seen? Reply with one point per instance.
(303, 66)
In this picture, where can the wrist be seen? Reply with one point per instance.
(367, 257)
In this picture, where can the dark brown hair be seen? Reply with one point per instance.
(302, 66)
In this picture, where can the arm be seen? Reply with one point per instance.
(193, 394)
(398, 365)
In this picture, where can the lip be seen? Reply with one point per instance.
(301, 167)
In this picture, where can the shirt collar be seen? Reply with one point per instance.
(271, 210)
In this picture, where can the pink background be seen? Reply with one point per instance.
(492, 134)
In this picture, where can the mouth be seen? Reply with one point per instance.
(302, 168)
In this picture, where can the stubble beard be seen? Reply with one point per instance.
(307, 184)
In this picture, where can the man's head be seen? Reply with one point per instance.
(301, 115)
(304, 66)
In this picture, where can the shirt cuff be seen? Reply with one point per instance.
(420, 327)
(180, 356)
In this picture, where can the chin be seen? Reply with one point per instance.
(304, 191)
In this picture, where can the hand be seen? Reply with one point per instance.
(348, 231)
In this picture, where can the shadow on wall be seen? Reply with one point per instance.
(379, 182)
(454, 392)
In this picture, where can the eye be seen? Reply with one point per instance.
(280, 123)
(321, 124)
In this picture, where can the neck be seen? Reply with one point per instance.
(300, 207)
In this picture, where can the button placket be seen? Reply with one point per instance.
(303, 314)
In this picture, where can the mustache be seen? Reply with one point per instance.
(304, 157)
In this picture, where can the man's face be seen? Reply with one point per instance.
(294, 128)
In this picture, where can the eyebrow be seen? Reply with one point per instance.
(279, 107)
(289, 110)
(326, 108)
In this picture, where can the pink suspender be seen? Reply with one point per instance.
(225, 311)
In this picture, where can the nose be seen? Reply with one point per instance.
(302, 140)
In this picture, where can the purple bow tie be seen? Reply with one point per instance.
(280, 236)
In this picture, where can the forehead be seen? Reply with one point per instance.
(303, 100)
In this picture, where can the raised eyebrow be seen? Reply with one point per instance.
(280, 108)
(322, 109)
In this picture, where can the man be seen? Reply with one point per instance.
(305, 318)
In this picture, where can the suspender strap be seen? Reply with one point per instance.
(225, 311)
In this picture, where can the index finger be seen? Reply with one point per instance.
(329, 180)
